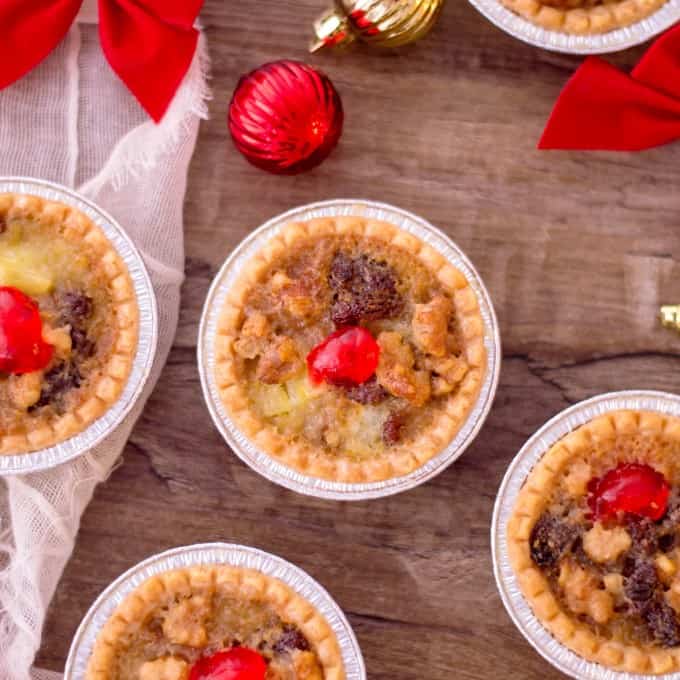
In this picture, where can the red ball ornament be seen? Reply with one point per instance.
(22, 348)
(347, 357)
(238, 663)
(629, 488)
(285, 117)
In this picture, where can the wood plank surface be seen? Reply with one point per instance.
(578, 251)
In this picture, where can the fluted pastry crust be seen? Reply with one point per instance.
(249, 584)
(584, 18)
(302, 456)
(600, 434)
(105, 388)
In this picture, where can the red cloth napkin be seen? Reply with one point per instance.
(149, 43)
(603, 108)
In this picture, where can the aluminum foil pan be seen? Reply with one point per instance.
(520, 612)
(148, 330)
(268, 466)
(613, 41)
(213, 553)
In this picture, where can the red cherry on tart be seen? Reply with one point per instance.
(238, 663)
(22, 348)
(349, 356)
(630, 488)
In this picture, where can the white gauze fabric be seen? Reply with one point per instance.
(73, 122)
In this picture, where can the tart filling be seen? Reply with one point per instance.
(212, 623)
(68, 323)
(350, 350)
(584, 17)
(595, 541)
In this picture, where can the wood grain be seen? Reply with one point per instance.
(578, 250)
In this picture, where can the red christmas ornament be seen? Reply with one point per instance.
(347, 357)
(238, 663)
(285, 117)
(632, 488)
(22, 348)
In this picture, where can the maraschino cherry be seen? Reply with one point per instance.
(22, 348)
(237, 663)
(347, 357)
(629, 488)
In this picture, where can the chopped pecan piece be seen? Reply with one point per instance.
(430, 325)
(184, 624)
(583, 594)
(165, 668)
(605, 545)
(254, 335)
(448, 372)
(279, 362)
(363, 290)
(24, 390)
(577, 477)
(298, 297)
(395, 370)
(60, 339)
(306, 666)
(256, 326)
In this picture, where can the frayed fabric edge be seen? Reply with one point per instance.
(161, 139)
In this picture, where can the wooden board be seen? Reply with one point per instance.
(578, 251)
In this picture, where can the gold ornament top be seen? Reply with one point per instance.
(380, 23)
(670, 316)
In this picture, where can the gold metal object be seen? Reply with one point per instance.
(380, 23)
(670, 316)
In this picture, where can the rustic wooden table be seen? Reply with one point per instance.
(578, 250)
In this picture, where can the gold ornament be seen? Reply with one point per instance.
(381, 23)
(670, 316)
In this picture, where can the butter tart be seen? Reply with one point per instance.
(203, 623)
(594, 541)
(584, 17)
(68, 323)
(350, 350)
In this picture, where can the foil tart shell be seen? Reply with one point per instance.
(52, 456)
(560, 656)
(209, 554)
(599, 43)
(266, 465)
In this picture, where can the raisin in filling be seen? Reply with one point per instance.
(550, 539)
(57, 382)
(556, 543)
(363, 290)
(393, 427)
(370, 392)
(645, 593)
(291, 639)
(192, 630)
(75, 309)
